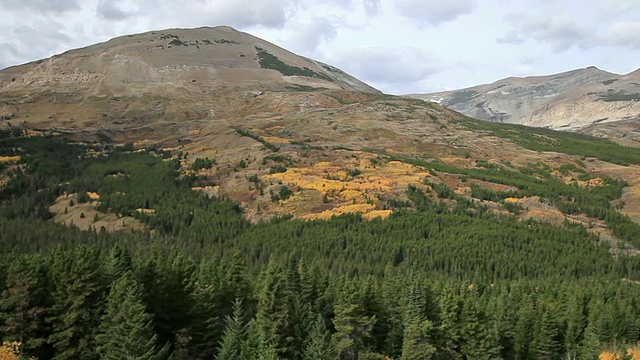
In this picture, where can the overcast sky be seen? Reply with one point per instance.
(398, 46)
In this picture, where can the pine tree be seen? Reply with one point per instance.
(234, 334)
(206, 325)
(319, 345)
(373, 306)
(77, 303)
(352, 328)
(590, 346)
(24, 305)
(419, 332)
(576, 323)
(274, 315)
(480, 340)
(524, 329)
(450, 326)
(266, 351)
(126, 330)
(237, 284)
(503, 313)
(118, 262)
(252, 343)
(168, 282)
(547, 346)
(299, 308)
(632, 335)
(417, 342)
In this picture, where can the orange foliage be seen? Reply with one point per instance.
(634, 352)
(8, 159)
(10, 351)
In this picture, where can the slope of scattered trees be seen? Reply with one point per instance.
(430, 282)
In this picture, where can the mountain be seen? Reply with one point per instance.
(159, 75)
(283, 135)
(586, 100)
(184, 201)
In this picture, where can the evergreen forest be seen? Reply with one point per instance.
(430, 282)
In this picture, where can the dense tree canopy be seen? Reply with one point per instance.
(430, 282)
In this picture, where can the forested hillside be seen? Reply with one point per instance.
(444, 277)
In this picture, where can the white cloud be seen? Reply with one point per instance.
(308, 36)
(116, 10)
(371, 6)
(434, 12)
(512, 37)
(54, 6)
(270, 13)
(388, 68)
(33, 41)
(626, 33)
(560, 31)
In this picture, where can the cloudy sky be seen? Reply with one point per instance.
(398, 46)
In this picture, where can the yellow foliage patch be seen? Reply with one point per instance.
(607, 355)
(93, 195)
(347, 209)
(276, 140)
(383, 214)
(9, 159)
(145, 211)
(323, 164)
(10, 350)
(592, 182)
(350, 194)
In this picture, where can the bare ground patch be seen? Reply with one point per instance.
(85, 216)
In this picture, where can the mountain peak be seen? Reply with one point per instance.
(571, 100)
(211, 56)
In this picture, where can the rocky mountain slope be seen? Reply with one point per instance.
(284, 135)
(585, 100)
(168, 75)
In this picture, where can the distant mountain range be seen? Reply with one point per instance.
(586, 100)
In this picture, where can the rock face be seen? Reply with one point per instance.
(583, 100)
(159, 75)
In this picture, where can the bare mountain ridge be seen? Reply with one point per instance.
(165, 74)
(216, 56)
(585, 100)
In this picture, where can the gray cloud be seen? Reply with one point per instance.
(612, 8)
(34, 41)
(371, 6)
(389, 69)
(435, 12)
(111, 10)
(625, 33)
(512, 37)
(55, 6)
(561, 32)
(308, 36)
(269, 13)
(8, 55)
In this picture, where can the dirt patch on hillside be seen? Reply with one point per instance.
(631, 194)
(84, 216)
